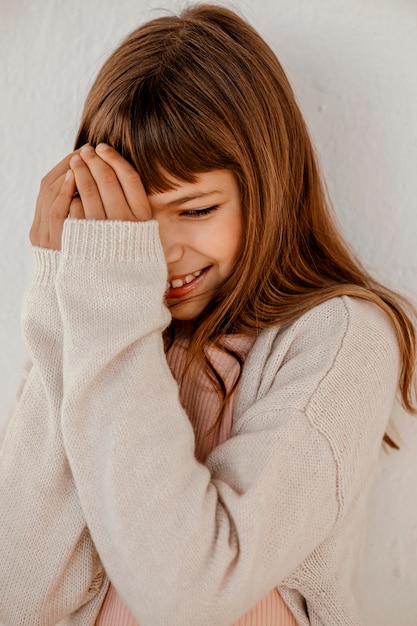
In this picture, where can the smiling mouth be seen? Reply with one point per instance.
(179, 287)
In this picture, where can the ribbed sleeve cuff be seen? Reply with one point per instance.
(46, 265)
(108, 240)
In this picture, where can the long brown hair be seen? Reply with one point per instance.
(202, 91)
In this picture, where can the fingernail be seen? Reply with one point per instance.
(87, 149)
(76, 159)
(102, 147)
(68, 175)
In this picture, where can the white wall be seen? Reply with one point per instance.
(353, 66)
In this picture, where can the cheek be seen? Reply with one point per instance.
(224, 244)
(234, 232)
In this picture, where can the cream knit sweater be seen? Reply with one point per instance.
(98, 472)
(202, 403)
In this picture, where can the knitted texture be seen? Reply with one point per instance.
(39, 503)
(280, 503)
(202, 404)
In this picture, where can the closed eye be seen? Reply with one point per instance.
(199, 212)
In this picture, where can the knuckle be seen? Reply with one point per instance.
(59, 209)
(132, 178)
(62, 198)
(54, 214)
(46, 195)
(46, 181)
(89, 189)
(108, 178)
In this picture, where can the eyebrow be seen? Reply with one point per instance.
(193, 196)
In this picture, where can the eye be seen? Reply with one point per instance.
(199, 212)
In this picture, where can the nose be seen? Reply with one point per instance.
(171, 240)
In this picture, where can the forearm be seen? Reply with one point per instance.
(42, 530)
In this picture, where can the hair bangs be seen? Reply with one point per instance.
(170, 141)
(161, 135)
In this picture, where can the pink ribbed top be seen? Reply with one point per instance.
(201, 402)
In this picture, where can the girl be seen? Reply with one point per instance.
(212, 372)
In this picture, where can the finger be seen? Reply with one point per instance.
(34, 229)
(60, 210)
(58, 171)
(45, 201)
(39, 232)
(77, 209)
(88, 190)
(49, 189)
(111, 192)
(129, 180)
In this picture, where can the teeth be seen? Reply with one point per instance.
(178, 282)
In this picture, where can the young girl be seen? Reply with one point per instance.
(212, 372)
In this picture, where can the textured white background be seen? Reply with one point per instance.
(353, 64)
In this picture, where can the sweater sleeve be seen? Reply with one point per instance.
(186, 543)
(43, 535)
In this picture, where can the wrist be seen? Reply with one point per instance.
(111, 240)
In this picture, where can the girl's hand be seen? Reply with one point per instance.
(54, 203)
(108, 186)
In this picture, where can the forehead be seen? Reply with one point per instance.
(207, 184)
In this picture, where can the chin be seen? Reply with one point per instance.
(184, 316)
(185, 311)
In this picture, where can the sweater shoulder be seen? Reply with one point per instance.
(337, 322)
(351, 336)
(347, 340)
(340, 335)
